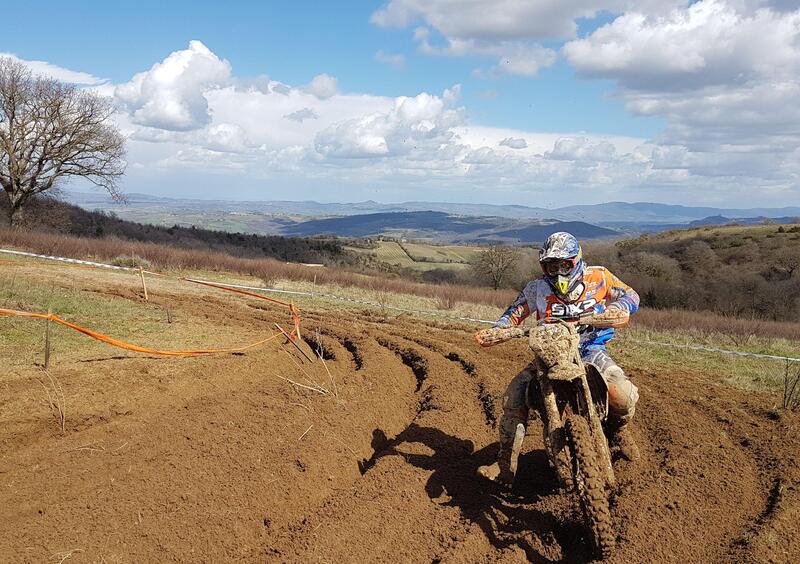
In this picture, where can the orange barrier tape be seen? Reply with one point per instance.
(293, 308)
(237, 291)
(294, 334)
(128, 346)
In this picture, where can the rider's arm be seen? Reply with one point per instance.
(516, 312)
(620, 295)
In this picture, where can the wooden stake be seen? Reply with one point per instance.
(294, 343)
(47, 342)
(296, 325)
(144, 285)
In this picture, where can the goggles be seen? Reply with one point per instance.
(553, 267)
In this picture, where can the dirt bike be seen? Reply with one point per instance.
(572, 399)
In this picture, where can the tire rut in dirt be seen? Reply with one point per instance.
(410, 357)
(424, 477)
(320, 346)
(349, 344)
(485, 398)
(690, 467)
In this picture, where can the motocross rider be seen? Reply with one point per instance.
(568, 289)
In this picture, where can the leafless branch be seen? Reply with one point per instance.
(51, 132)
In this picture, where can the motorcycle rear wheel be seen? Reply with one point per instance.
(589, 483)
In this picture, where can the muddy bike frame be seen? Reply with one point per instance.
(572, 399)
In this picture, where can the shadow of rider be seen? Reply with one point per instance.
(506, 518)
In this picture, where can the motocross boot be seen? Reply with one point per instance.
(622, 441)
(499, 472)
(503, 471)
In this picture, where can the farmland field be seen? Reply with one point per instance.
(420, 256)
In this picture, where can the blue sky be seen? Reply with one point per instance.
(407, 100)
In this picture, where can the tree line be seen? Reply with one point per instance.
(52, 215)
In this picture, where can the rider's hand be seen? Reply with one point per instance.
(614, 317)
(486, 337)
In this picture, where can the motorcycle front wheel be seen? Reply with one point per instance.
(590, 486)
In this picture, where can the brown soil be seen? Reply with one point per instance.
(218, 458)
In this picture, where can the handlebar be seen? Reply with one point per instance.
(615, 319)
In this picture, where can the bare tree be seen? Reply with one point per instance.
(496, 263)
(51, 132)
(788, 259)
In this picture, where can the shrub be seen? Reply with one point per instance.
(131, 262)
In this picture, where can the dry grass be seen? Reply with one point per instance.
(56, 401)
(736, 330)
(165, 257)
(791, 388)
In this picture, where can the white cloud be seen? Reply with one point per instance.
(43, 68)
(302, 114)
(512, 31)
(265, 133)
(706, 44)
(582, 149)
(499, 19)
(413, 124)
(514, 57)
(724, 75)
(171, 95)
(395, 61)
(514, 143)
(323, 86)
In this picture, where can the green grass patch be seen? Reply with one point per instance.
(22, 339)
(637, 347)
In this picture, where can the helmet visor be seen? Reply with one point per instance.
(554, 267)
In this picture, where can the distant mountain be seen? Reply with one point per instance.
(722, 220)
(444, 227)
(622, 213)
(271, 216)
(537, 233)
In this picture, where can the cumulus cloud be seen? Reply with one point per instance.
(262, 131)
(502, 19)
(171, 94)
(706, 44)
(514, 57)
(581, 149)
(303, 114)
(394, 61)
(413, 124)
(323, 86)
(512, 31)
(722, 73)
(514, 143)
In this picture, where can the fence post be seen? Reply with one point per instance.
(47, 340)
(144, 285)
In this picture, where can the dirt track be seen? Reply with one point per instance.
(214, 459)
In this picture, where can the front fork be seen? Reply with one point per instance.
(555, 440)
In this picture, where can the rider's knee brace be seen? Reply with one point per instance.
(622, 395)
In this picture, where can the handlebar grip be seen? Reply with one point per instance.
(495, 336)
(611, 319)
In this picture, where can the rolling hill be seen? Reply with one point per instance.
(443, 227)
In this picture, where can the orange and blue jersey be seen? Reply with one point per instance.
(598, 290)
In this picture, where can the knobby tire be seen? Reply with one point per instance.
(590, 486)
